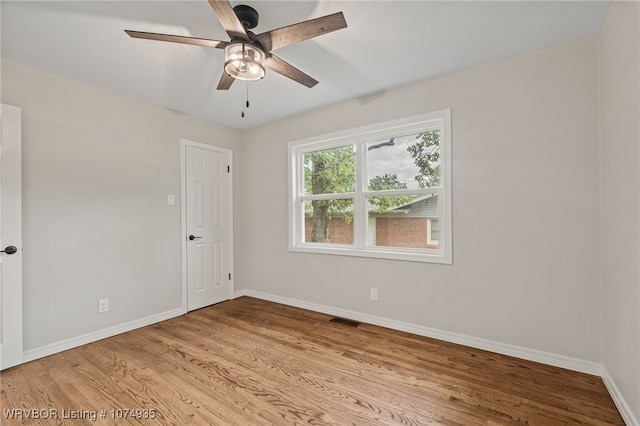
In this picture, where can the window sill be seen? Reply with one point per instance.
(408, 255)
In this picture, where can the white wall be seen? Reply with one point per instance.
(619, 59)
(526, 245)
(97, 169)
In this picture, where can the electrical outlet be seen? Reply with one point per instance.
(373, 294)
(103, 306)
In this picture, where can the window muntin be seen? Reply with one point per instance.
(378, 191)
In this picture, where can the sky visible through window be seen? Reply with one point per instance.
(393, 159)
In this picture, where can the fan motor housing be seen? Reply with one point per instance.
(247, 16)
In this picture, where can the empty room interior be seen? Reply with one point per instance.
(402, 212)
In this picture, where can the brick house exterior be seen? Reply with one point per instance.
(412, 225)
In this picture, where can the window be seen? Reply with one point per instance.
(378, 191)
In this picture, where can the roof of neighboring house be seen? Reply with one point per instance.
(421, 206)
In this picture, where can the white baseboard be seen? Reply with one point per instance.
(621, 403)
(74, 342)
(555, 360)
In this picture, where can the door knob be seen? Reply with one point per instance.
(9, 250)
(191, 237)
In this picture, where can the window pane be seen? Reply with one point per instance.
(330, 171)
(328, 221)
(411, 161)
(403, 221)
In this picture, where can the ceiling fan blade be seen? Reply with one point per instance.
(178, 39)
(286, 69)
(225, 81)
(228, 19)
(281, 37)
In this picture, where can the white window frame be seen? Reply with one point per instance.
(359, 137)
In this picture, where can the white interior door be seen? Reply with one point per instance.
(10, 237)
(208, 228)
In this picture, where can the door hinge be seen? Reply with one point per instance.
(229, 275)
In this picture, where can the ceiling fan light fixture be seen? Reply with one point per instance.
(244, 61)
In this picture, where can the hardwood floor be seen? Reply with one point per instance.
(252, 362)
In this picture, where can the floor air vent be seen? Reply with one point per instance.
(344, 321)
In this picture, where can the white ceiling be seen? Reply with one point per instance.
(386, 44)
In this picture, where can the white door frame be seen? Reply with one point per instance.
(184, 143)
(11, 343)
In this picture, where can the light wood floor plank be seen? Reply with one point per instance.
(252, 362)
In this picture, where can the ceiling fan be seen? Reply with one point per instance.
(247, 54)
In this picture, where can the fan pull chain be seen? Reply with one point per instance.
(242, 108)
(247, 94)
(245, 102)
